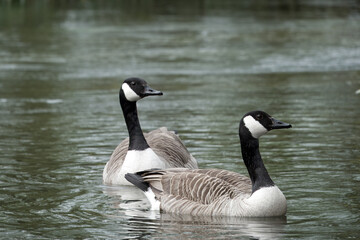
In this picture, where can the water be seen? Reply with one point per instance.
(61, 65)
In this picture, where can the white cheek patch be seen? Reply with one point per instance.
(130, 95)
(255, 128)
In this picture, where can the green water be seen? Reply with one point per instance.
(62, 63)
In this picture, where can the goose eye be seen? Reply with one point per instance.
(132, 83)
(259, 117)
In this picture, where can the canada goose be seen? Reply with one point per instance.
(218, 192)
(157, 149)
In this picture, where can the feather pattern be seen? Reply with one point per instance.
(197, 191)
(166, 144)
(215, 192)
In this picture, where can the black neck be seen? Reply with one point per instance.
(253, 161)
(137, 139)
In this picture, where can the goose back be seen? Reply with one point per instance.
(197, 191)
(166, 144)
(220, 192)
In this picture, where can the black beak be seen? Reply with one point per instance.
(148, 91)
(276, 124)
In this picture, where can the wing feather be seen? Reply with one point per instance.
(194, 191)
(169, 146)
(166, 144)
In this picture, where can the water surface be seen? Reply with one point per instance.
(61, 65)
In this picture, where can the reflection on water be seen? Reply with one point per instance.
(130, 200)
(131, 204)
(61, 65)
(217, 227)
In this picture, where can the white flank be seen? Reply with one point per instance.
(136, 161)
(256, 129)
(129, 93)
(267, 201)
(155, 204)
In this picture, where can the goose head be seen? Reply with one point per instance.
(134, 89)
(257, 123)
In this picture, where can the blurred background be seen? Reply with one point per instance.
(61, 67)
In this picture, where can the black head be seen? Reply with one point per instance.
(136, 88)
(259, 123)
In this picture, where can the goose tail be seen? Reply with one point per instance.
(139, 182)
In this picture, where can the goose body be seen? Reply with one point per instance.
(159, 148)
(216, 192)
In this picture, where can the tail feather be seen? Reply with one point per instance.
(137, 180)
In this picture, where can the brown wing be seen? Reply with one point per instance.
(116, 161)
(241, 182)
(203, 192)
(164, 143)
(167, 145)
